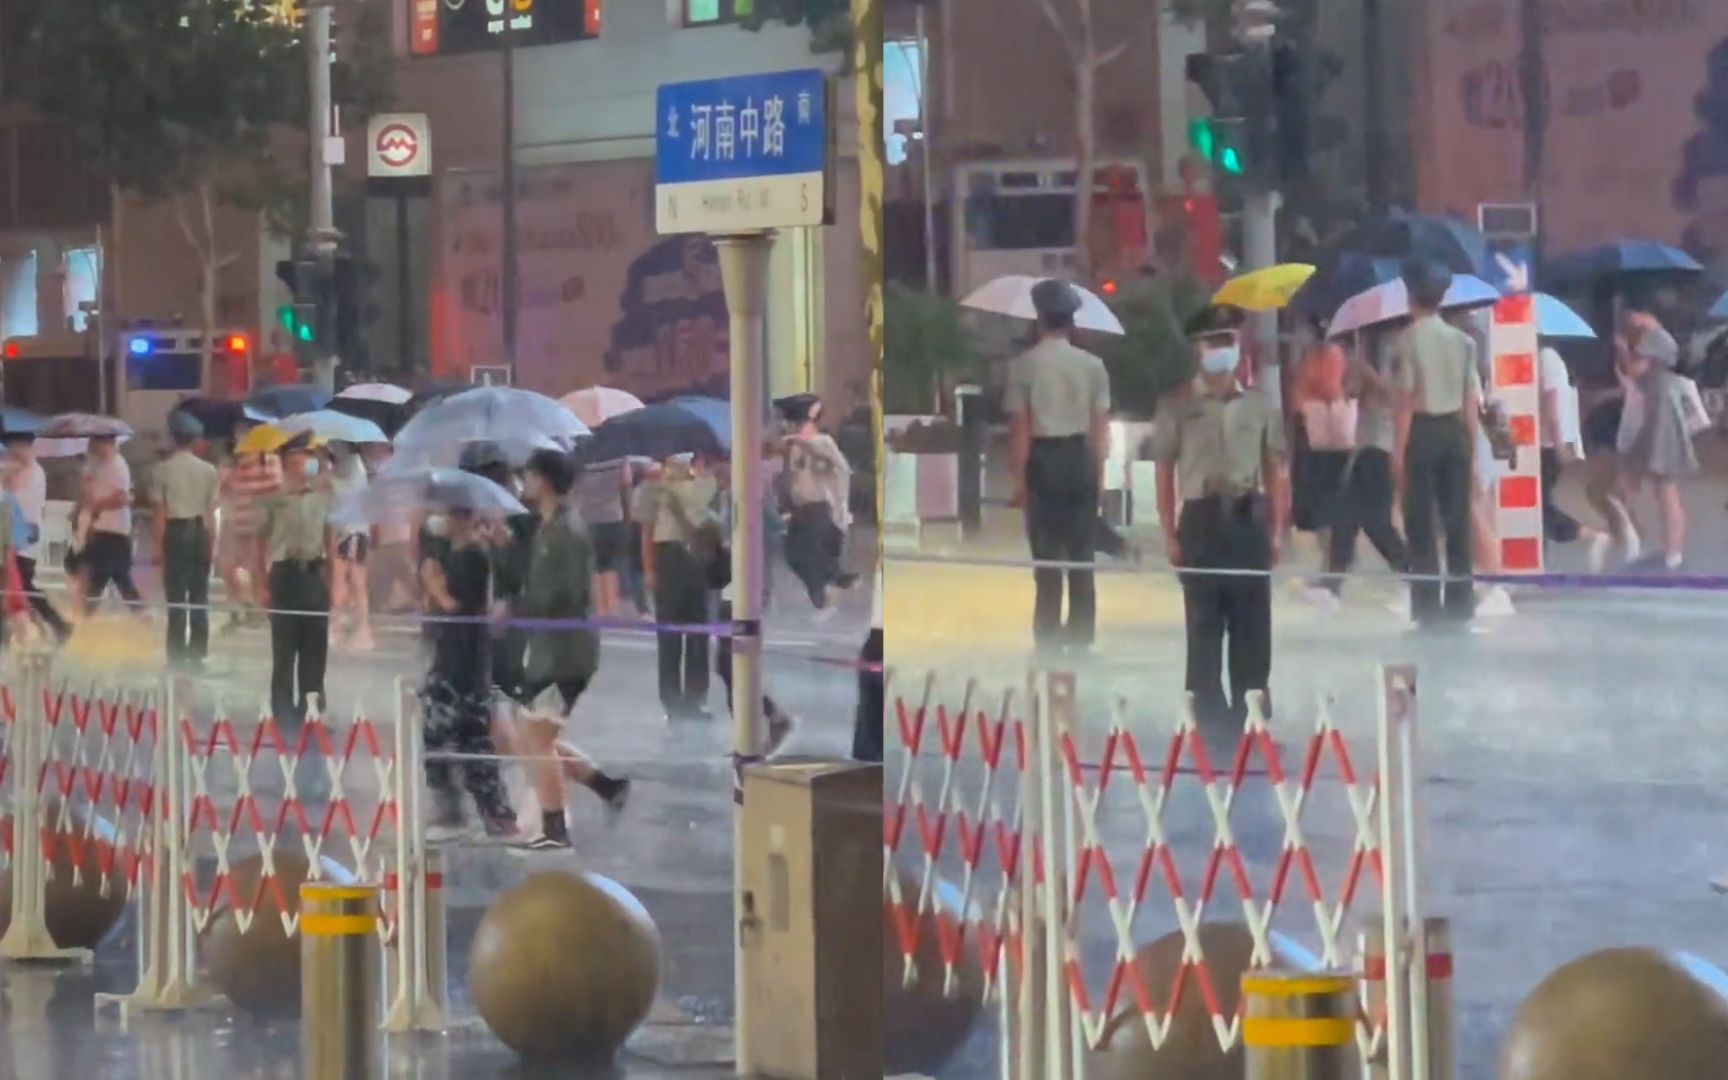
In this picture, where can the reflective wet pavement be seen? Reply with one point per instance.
(1575, 783)
(672, 847)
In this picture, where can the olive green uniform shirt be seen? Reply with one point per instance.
(1436, 366)
(1062, 384)
(1218, 445)
(295, 525)
(185, 486)
(658, 504)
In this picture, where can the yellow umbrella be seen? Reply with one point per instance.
(263, 439)
(1264, 290)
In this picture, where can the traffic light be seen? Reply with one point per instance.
(1260, 127)
(299, 317)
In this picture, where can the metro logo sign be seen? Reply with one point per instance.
(398, 145)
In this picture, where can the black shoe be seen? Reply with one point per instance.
(846, 580)
(614, 791)
(542, 843)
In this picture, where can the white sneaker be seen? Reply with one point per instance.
(1598, 552)
(1623, 518)
(1399, 605)
(1323, 598)
(1495, 603)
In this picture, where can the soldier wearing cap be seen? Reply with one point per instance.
(184, 491)
(1058, 403)
(818, 493)
(1440, 389)
(297, 543)
(1221, 497)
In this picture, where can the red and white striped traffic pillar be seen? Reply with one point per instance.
(1516, 389)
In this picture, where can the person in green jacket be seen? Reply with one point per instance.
(558, 663)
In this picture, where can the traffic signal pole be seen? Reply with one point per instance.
(322, 236)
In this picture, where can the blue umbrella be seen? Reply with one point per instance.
(1720, 311)
(1340, 277)
(290, 399)
(18, 420)
(1555, 319)
(656, 432)
(1621, 257)
(717, 414)
(1436, 238)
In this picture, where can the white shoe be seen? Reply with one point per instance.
(1623, 518)
(1598, 552)
(1495, 603)
(1323, 598)
(1399, 605)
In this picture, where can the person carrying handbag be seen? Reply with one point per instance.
(680, 556)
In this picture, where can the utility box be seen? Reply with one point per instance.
(811, 941)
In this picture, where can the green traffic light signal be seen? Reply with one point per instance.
(1203, 136)
(296, 327)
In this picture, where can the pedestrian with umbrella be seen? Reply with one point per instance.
(456, 693)
(107, 494)
(185, 490)
(1058, 404)
(297, 539)
(681, 546)
(819, 491)
(1656, 448)
(27, 484)
(1440, 391)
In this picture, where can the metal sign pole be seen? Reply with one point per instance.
(744, 270)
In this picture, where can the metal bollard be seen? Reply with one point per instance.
(1437, 944)
(339, 965)
(1300, 1026)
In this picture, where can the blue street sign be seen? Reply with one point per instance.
(1510, 265)
(744, 153)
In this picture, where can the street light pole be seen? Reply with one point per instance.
(322, 236)
(509, 284)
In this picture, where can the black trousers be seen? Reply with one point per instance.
(1226, 534)
(681, 596)
(1061, 526)
(723, 667)
(1437, 489)
(299, 643)
(459, 721)
(1558, 526)
(186, 584)
(44, 610)
(814, 544)
(1365, 507)
(872, 708)
(107, 560)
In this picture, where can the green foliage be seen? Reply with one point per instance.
(166, 92)
(830, 21)
(926, 350)
(1153, 357)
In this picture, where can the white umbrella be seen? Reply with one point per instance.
(1391, 300)
(598, 404)
(69, 434)
(331, 426)
(1012, 296)
(388, 393)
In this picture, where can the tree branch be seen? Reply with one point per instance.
(185, 224)
(1063, 30)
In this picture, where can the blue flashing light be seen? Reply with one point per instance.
(140, 346)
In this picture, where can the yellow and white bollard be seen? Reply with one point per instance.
(339, 968)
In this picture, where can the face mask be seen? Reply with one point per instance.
(310, 468)
(1220, 361)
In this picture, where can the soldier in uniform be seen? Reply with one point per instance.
(1058, 404)
(297, 543)
(1222, 499)
(185, 496)
(1440, 404)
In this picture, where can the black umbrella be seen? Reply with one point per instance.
(656, 432)
(217, 417)
(1338, 278)
(289, 399)
(387, 416)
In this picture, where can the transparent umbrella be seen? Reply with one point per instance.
(399, 491)
(518, 422)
